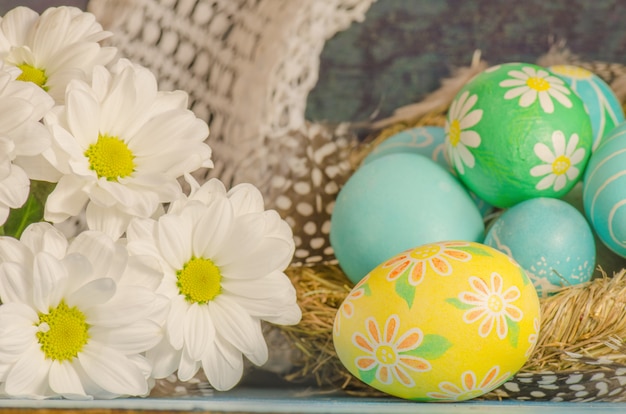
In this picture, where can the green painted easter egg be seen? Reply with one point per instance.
(517, 131)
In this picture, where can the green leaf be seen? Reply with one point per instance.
(367, 376)
(513, 332)
(31, 212)
(367, 289)
(432, 347)
(475, 251)
(404, 289)
(458, 304)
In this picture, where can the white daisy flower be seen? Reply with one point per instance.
(50, 50)
(223, 258)
(120, 145)
(459, 137)
(531, 84)
(560, 164)
(75, 317)
(22, 106)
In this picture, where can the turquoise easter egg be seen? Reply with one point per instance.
(550, 239)
(605, 110)
(604, 190)
(394, 203)
(427, 141)
(515, 132)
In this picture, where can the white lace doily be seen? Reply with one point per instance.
(248, 65)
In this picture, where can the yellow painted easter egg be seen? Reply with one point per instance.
(445, 321)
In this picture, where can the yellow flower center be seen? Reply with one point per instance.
(495, 303)
(561, 164)
(538, 84)
(199, 280)
(34, 75)
(571, 71)
(62, 332)
(386, 355)
(110, 157)
(455, 132)
(426, 252)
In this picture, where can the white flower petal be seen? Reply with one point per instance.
(558, 143)
(128, 305)
(546, 102)
(572, 173)
(134, 338)
(560, 96)
(559, 183)
(107, 258)
(17, 23)
(91, 294)
(544, 153)
(83, 112)
(246, 198)
(528, 97)
(164, 358)
(577, 156)
(515, 92)
(112, 371)
(546, 182)
(540, 170)
(67, 199)
(28, 377)
(43, 237)
(14, 188)
(222, 373)
(49, 281)
(110, 221)
(213, 228)
(236, 327)
(175, 321)
(15, 284)
(199, 330)
(12, 250)
(64, 380)
(174, 237)
(187, 367)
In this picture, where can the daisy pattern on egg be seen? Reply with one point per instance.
(559, 161)
(459, 136)
(532, 84)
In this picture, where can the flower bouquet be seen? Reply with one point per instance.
(117, 268)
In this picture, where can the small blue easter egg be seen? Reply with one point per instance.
(605, 110)
(604, 190)
(427, 141)
(398, 202)
(550, 239)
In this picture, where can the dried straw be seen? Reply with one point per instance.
(588, 319)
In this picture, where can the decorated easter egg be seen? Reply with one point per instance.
(550, 239)
(427, 141)
(516, 132)
(604, 108)
(444, 321)
(396, 202)
(604, 190)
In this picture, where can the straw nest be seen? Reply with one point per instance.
(580, 353)
(583, 328)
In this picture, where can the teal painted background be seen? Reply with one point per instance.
(405, 47)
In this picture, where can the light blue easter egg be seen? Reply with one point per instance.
(550, 239)
(395, 203)
(604, 190)
(605, 110)
(428, 141)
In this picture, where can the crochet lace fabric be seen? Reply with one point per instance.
(248, 65)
